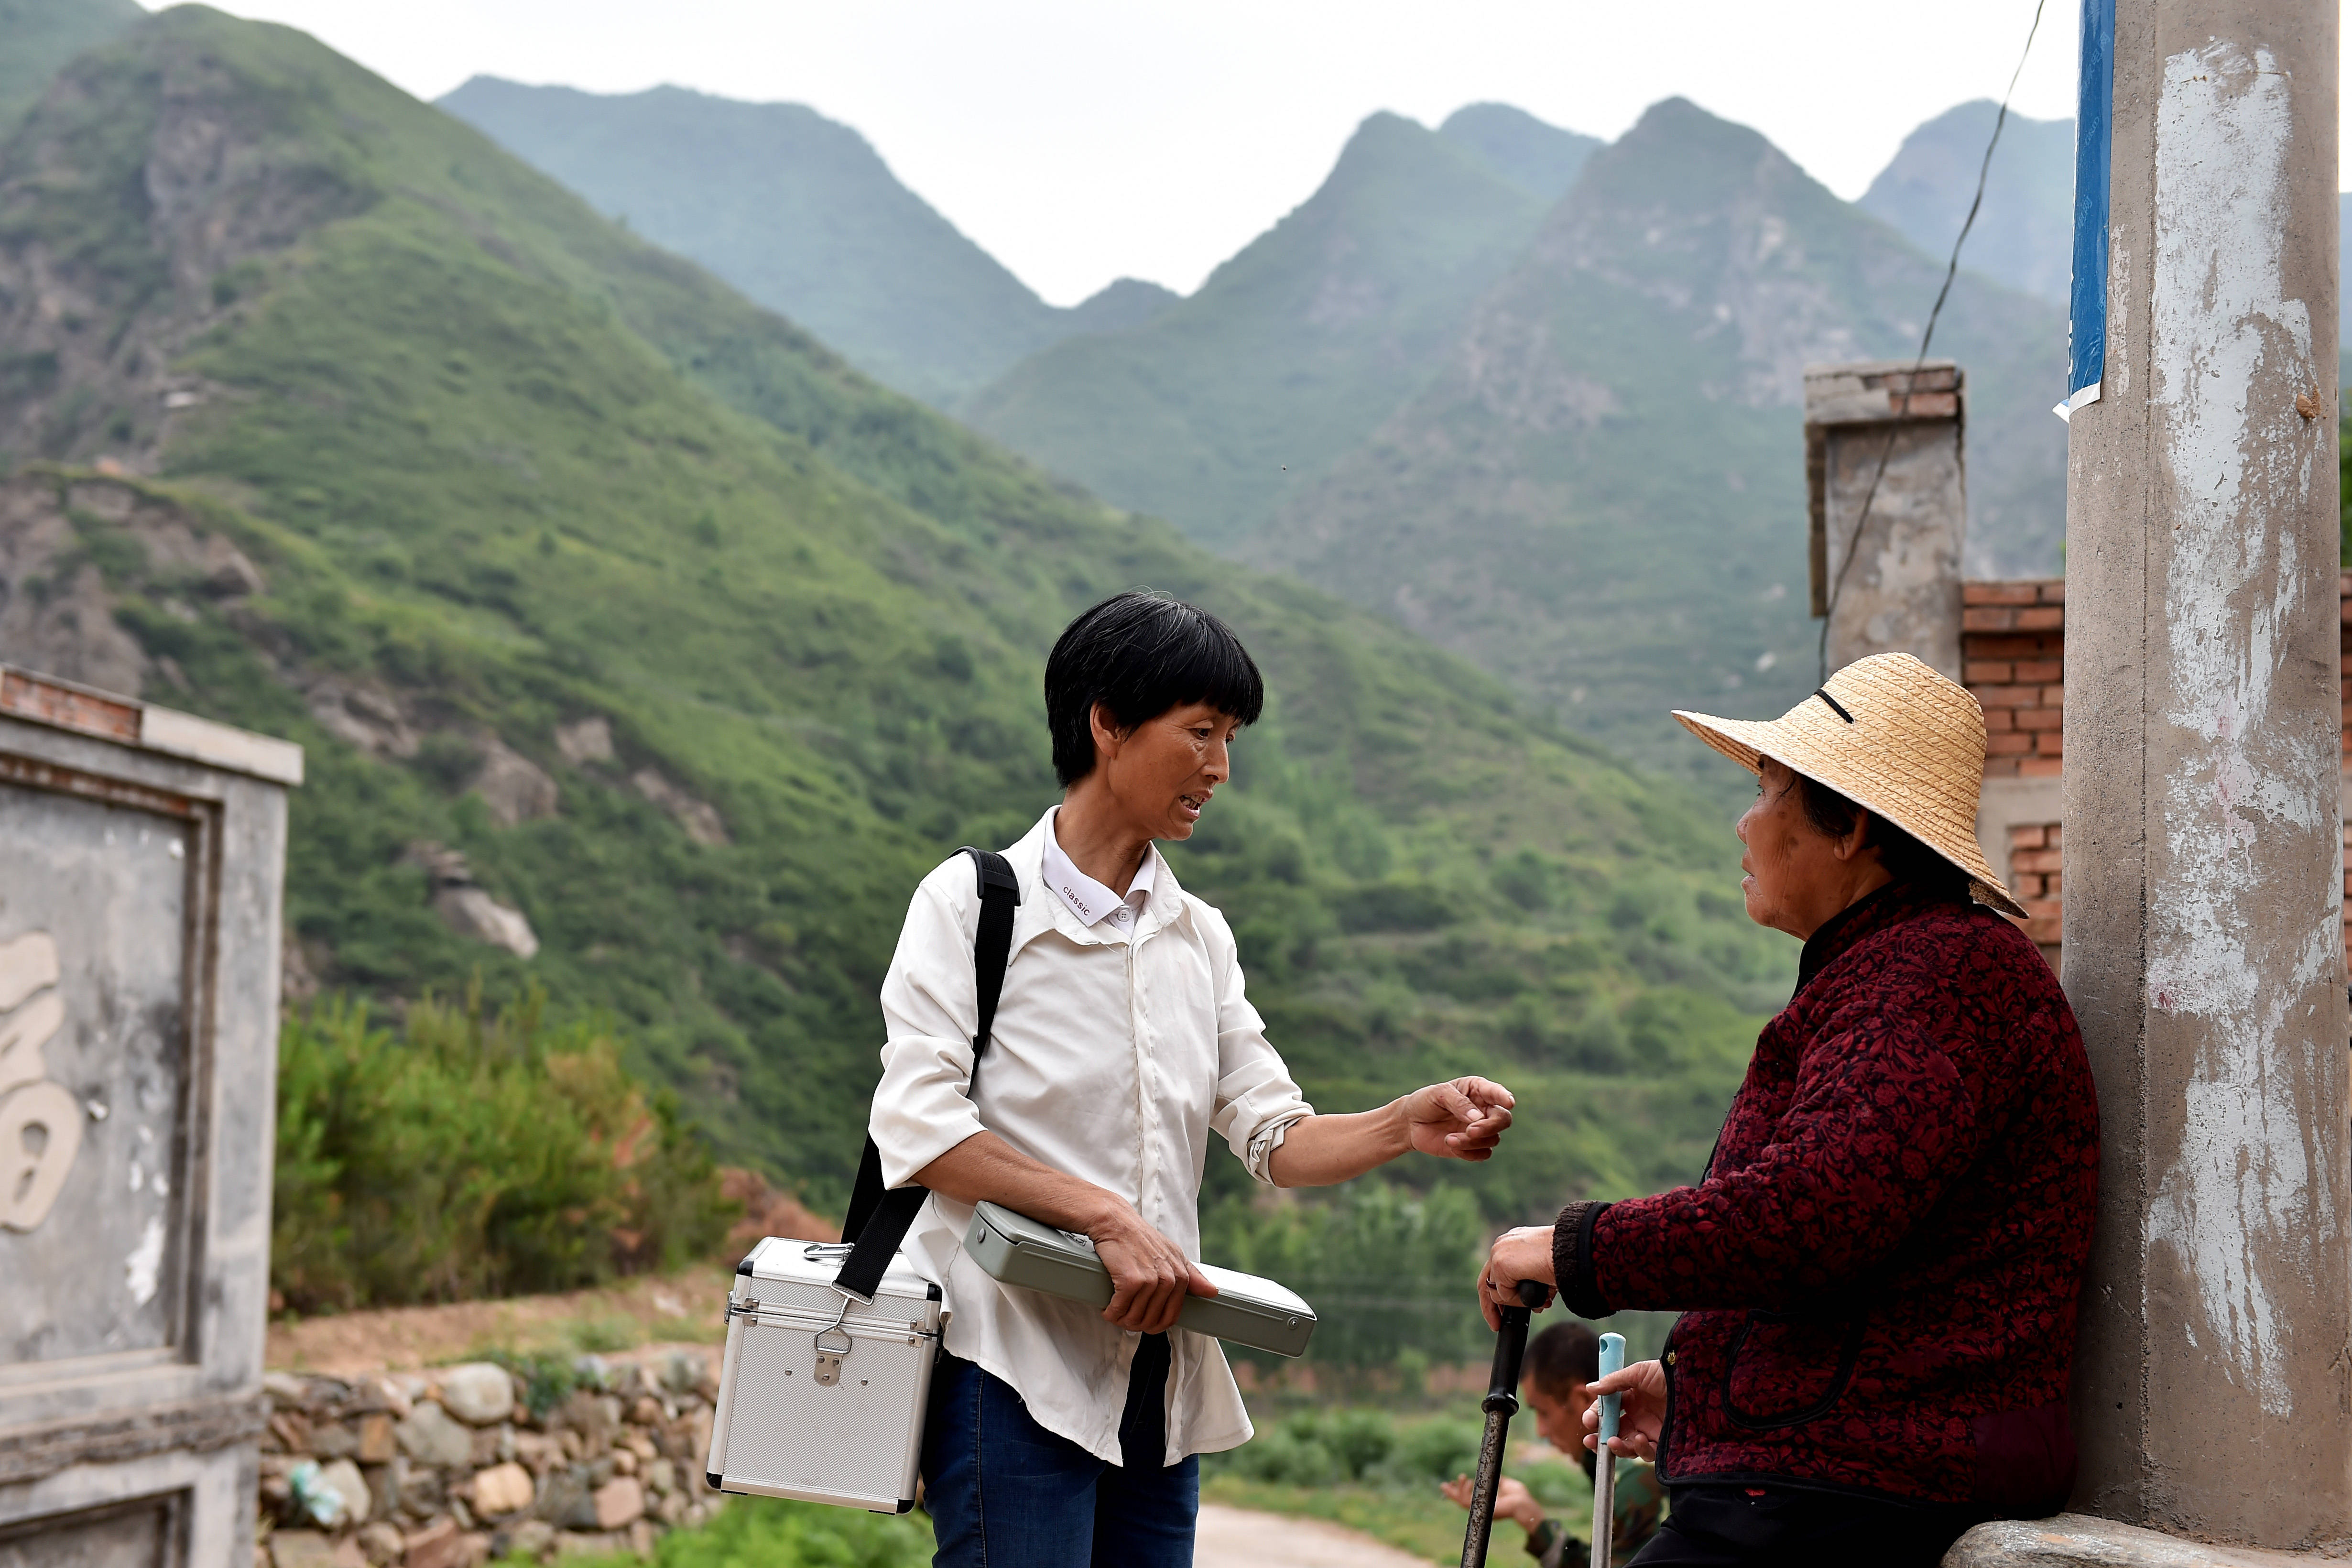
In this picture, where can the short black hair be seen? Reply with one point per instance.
(1907, 859)
(1563, 1356)
(1140, 654)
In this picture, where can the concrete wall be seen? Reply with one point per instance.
(2203, 952)
(141, 857)
(1889, 508)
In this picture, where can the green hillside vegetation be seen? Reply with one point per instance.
(41, 35)
(504, 467)
(801, 214)
(1600, 496)
(1290, 354)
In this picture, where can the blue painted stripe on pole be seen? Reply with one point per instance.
(2093, 125)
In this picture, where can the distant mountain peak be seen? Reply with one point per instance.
(2024, 233)
(1121, 303)
(1539, 158)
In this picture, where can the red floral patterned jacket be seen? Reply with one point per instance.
(1879, 1272)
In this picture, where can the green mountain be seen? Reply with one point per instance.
(1217, 412)
(42, 36)
(1600, 496)
(602, 595)
(2024, 233)
(1542, 160)
(801, 214)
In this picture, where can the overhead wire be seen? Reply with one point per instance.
(1951, 271)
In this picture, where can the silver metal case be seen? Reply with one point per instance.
(821, 1398)
(1247, 1310)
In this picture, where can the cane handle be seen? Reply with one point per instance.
(1613, 1360)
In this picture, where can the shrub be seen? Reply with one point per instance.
(473, 1156)
(1391, 1273)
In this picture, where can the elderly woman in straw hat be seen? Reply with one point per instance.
(1878, 1272)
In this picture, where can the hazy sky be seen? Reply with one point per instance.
(1081, 140)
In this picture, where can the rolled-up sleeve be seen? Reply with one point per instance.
(1257, 1100)
(930, 1008)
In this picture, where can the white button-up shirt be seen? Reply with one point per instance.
(1119, 1048)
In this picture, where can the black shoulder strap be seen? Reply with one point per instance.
(877, 1220)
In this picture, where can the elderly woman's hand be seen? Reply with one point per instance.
(1463, 1119)
(1517, 1255)
(1641, 1417)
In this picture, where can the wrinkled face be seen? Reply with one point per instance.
(1559, 1421)
(1790, 862)
(1163, 771)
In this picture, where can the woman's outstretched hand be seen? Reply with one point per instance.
(1643, 1414)
(1461, 1119)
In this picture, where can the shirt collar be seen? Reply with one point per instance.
(1088, 899)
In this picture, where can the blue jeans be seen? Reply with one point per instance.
(1004, 1492)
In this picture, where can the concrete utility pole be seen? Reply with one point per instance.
(1890, 580)
(2213, 1393)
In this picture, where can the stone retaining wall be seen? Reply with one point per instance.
(448, 1468)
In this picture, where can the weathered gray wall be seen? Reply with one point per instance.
(140, 892)
(1886, 547)
(2203, 952)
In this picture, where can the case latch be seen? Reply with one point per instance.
(828, 1360)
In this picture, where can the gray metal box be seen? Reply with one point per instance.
(820, 1398)
(1247, 1310)
(141, 853)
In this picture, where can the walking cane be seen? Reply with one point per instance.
(1501, 1403)
(1604, 1463)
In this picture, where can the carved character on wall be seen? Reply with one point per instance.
(40, 1125)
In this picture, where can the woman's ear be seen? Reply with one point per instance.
(1856, 839)
(1109, 736)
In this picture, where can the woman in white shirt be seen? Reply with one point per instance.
(1059, 1436)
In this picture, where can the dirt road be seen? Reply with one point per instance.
(1238, 1538)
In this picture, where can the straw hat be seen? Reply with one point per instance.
(1894, 737)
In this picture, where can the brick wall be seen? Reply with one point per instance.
(2013, 658)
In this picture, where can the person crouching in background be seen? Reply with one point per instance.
(1560, 1361)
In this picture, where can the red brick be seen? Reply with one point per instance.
(2035, 860)
(2040, 767)
(2001, 767)
(2050, 742)
(2057, 833)
(2043, 930)
(1990, 645)
(2043, 619)
(2024, 836)
(2028, 886)
(2046, 671)
(1986, 618)
(1999, 718)
(2040, 717)
(2014, 745)
(2054, 884)
(2040, 907)
(1999, 593)
(1991, 671)
(2054, 591)
(2008, 696)
(2053, 696)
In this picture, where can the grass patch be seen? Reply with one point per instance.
(768, 1532)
